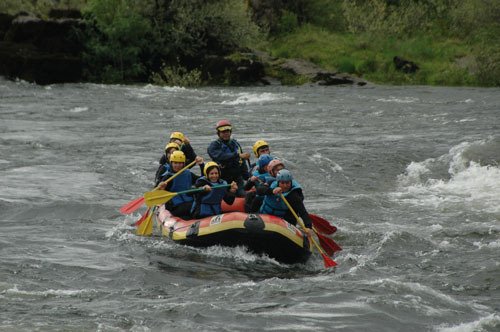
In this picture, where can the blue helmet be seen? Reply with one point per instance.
(264, 160)
(284, 175)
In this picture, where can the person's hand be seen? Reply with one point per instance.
(254, 178)
(207, 188)
(234, 187)
(162, 185)
(245, 155)
(199, 160)
(307, 231)
(186, 140)
(277, 190)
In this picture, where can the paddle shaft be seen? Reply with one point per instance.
(157, 197)
(328, 261)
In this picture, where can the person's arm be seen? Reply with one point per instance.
(296, 201)
(189, 152)
(230, 195)
(250, 183)
(158, 174)
(215, 152)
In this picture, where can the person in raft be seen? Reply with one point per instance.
(165, 167)
(180, 205)
(208, 202)
(273, 168)
(253, 201)
(259, 148)
(274, 204)
(227, 152)
(184, 145)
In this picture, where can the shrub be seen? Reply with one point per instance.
(115, 41)
(177, 76)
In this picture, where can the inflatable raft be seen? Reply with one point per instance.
(260, 233)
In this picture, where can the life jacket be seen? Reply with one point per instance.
(167, 169)
(262, 176)
(210, 204)
(180, 183)
(273, 204)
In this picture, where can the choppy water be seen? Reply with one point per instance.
(410, 175)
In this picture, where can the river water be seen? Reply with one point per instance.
(409, 175)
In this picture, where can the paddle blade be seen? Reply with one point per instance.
(143, 217)
(146, 227)
(132, 206)
(328, 245)
(328, 261)
(158, 197)
(322, 225)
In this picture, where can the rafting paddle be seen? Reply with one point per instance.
(143, 217)
(327, 244)
(137, 203)
(158, 197)
(327, 260)
(146, 227)
(322, 225)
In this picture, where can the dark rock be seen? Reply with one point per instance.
(238, 69)
(25, 61)
(65, 13)
(42, 51)
(404, 65)
(5, 22)
(326, 78)
(48, 35)
(317, 75)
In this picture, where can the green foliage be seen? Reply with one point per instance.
(327, 14)
(115, 43)
(216, 27)
(288, 22)
(177, 76)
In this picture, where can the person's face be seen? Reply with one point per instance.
(177, 166)
(225, 135)
(213, 174)
(169, 152)
(285, 185)
(176, 140)
(276, 169)
(263, 150)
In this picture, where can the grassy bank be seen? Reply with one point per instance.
(442, 61)
(453, 42)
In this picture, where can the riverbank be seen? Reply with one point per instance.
(451, 43)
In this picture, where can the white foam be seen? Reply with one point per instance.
(48, 292)
(468, 182)
(78, 109)
(256, 98)
(482, 324)
(399, 100)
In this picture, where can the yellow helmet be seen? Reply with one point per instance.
(172, 145)
(208, 165)
(178, 157)
(259, 144)
(177, 135)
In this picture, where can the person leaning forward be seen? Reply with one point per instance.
(228, 154)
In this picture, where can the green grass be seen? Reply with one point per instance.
(370, 56)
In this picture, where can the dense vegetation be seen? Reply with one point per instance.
(454, 42)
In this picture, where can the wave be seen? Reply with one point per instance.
(49, 292)
(467, 175)
(488, 323)
(255, 98)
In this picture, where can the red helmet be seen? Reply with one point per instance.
(223, 125)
